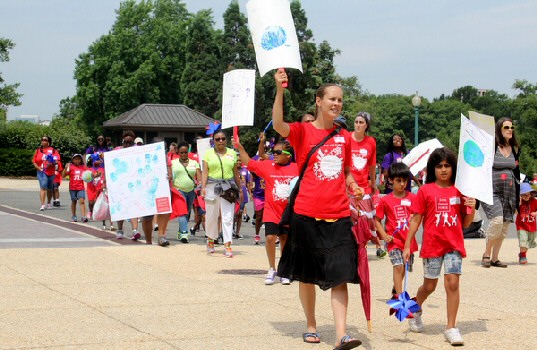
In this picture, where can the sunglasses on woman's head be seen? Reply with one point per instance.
(219, 139)
(507, 127)
(279, 151)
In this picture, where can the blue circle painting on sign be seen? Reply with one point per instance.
(273, 37)
(473, 155)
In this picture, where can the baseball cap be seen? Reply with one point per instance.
(138, 140)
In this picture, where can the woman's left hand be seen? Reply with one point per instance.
(469, 202)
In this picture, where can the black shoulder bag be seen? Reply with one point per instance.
(288, 211)
(229, 193)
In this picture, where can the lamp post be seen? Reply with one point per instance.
(416, 102)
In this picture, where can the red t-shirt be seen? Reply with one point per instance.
(397, 213)
(58, 173)
(524, 221)
(322, 191)
(47, 165)
(75, 177)
(95, 187)
(277, 182)
(364, 156)
(442, 212)
(194, 156)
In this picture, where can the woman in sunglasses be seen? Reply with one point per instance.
(46, 159)
(278, 175)
(219, 167)
(506, 191)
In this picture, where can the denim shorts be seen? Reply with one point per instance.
(396, 257)
(452, 265)
(77, 194)
(46, 182)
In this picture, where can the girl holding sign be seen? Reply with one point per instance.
(321, 249)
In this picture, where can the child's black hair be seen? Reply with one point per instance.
(438, 156)
(398, 170)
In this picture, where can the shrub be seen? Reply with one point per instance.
(16, 162)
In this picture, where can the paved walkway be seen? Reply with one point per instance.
(71, 286)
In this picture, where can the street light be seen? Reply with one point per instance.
(416, 102)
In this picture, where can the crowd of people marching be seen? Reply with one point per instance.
(315, 191)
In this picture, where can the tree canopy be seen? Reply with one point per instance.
(8, 92)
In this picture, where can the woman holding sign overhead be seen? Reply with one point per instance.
(506, 190)
(321, 249)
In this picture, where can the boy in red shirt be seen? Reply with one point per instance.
(76, 185)
(443, 210)
(395, 207)
(525, 221)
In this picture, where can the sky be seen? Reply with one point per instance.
(393, 47)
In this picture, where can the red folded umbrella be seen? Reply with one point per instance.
(362, 234)
(178, 204)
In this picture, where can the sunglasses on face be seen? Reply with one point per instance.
(127, 142)
(44, 140)
(279, 152)
(100, 139)
(507, 127)
(219, 139)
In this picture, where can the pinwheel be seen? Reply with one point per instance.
(403, 305)
(212, 128)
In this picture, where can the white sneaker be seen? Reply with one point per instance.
(269, 278)
(119, 234)
(453, 336)
(416, 324)
(42, 208)
(285, 281)
(49, 206)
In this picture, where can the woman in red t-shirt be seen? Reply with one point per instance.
(444, 212)
(278, 175)
(322, 249)
(45, 161)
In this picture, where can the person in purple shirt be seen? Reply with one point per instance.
(396, 151)
(100, 148)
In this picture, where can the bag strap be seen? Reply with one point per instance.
(186, 171)
(294, 193)
(220, 160)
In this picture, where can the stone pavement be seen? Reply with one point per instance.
(72, 286)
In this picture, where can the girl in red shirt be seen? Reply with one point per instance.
(76, 185)
(443, 210)
(278, 175)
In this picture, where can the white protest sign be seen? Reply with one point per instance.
(238, 98)
(419, 155)
(273, 34)
(136, 178)
(203, 145)
(483, 122)
(474, 165)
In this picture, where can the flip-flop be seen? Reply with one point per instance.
(317, 337)
(347, 343)
(498, 263)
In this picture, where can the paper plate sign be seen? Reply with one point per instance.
(238, 98)
(474, 168)
(273, 34)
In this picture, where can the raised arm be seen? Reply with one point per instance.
(278, 123)
(245, 158)
(261, 146)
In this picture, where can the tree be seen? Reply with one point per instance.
(8, 93)
(201, 80)
(525, 87)
(139, 61)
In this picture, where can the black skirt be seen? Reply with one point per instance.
(320, 252)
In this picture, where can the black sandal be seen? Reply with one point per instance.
(498, 263)
(485, 261)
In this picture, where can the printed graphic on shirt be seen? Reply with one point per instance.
(281, 190)
(77, 175)
(329, 165)
(525, 214)
(359, 160)
(401, 214)
(443, 207)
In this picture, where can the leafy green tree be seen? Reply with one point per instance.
(139, 61)
(8, 93)
(525, 87)
(201, 80)
(237, 46)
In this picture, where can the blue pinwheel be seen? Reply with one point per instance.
(212, 128)
(50, 158)
(403, 305)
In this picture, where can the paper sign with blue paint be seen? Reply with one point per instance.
(273, 34)
(474, 165)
